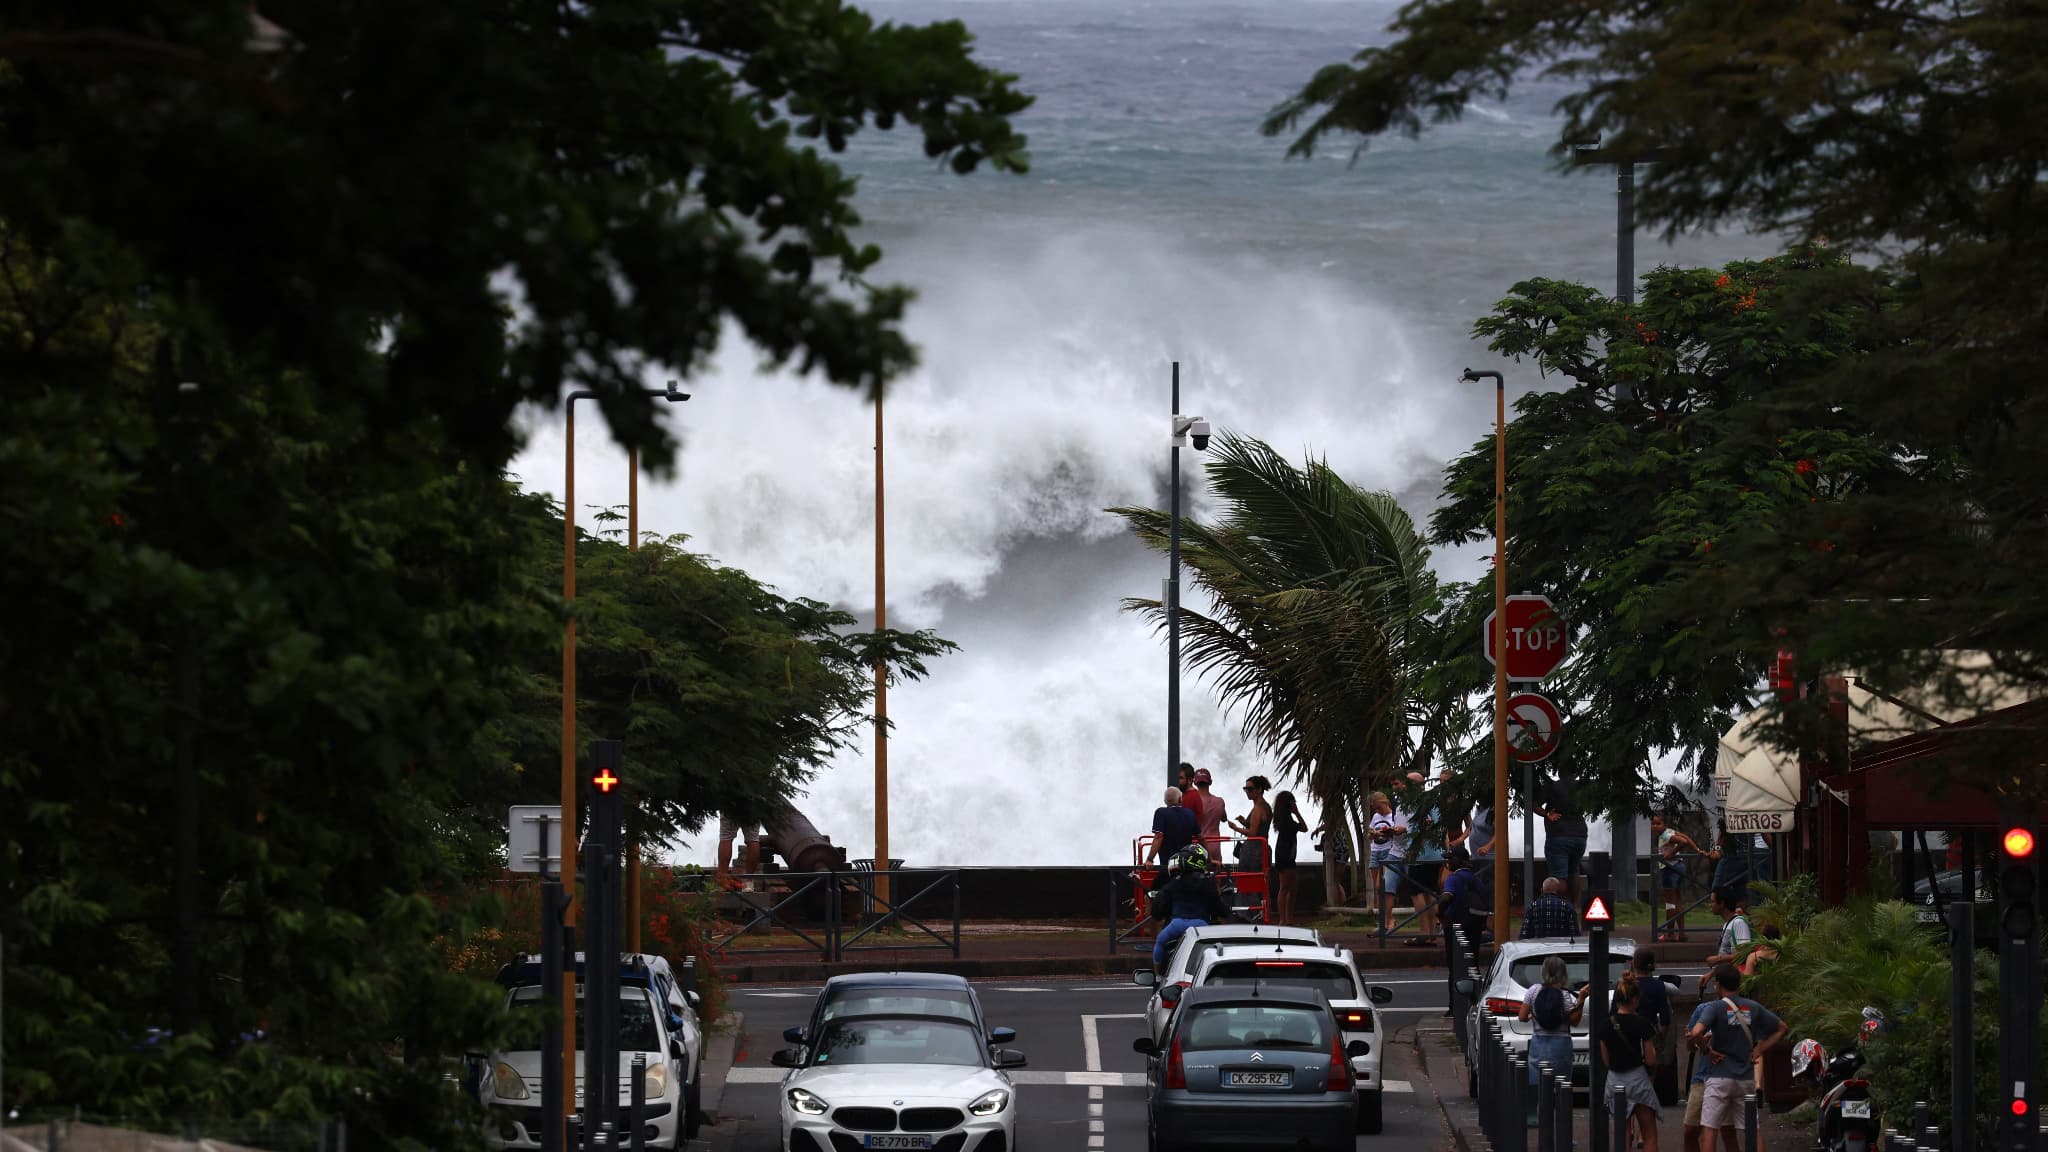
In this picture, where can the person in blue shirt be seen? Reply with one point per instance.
(1174, 827)
(1188, 900)
(1733, 1032)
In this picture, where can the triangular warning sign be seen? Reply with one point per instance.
(1597, 911)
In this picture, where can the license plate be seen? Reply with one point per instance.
(1855, 1109)
(893, 1140)
(1579, 1059)
(1258, 1079)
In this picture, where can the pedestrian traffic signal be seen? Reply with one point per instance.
(1599, 912)
(2019, 984)
(2018, 914)
(604, 781)
(2019, 843)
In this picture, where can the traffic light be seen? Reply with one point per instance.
(2019, 990)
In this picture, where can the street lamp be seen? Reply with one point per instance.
(1185, 429)
(1500, 647)
(568, 778)
(673, 395)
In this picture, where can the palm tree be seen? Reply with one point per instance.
(1323, 622)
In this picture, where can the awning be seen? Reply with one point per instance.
(1757, 784)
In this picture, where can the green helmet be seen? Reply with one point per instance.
(1194, 858)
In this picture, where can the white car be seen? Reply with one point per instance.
(869, 1075)
(1326, 969)
(1188, 953)
(657, 1020)
(1516, 968)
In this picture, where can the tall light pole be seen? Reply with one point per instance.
(1183, 428)
(1500, 647)
(633, 899)
(881, 677)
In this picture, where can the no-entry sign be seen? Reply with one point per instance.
(1534, 727)
(1537, 640)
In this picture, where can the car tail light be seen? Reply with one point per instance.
(1276, 963)
(1502, 1006)
(1355, 1019)
(1176, 1076)
(1340, 1066)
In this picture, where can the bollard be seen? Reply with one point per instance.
(1921, 1110)
(1561, 1111)
(689, 977)
(1750, 1135)
(573, 1126)
(1546, 1111)
(636, 1106)
(1516, 1118)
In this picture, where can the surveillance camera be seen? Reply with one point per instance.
(1199, 433)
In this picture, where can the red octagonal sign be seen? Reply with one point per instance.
(1537, 640)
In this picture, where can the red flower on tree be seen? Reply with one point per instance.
(1804, 467)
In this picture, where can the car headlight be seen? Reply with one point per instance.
(807, 1103)
(990, 1103)
(657, 1081)
(511, 1085)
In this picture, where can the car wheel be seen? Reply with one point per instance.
(1369, 1112)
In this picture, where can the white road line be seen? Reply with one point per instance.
(1095, 1125)
(1094, 1107)
(1396, 1086)
(1091, 1044)
(781, 995)
(1095, 1082)
(1095, 1093)
(754, 1076)
(1095, 1141)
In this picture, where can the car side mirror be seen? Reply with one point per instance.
(693, 1000)
(1358, 1048)
(787, 1058)
(675, 1048)
(1144, 1046)
(1380, 994)
(1145, 978)
(1464, 987)
(1009, 1058)
(1170, 994)
(1002, 1035)
(793, 1035)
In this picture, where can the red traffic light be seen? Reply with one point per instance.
(2019, 1107)
(2019, 843)
(605, 781)
(1598, 911)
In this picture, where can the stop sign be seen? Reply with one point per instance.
(1536, 638)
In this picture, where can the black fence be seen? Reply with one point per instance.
(832, 914)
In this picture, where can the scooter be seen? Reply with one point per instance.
(1849, 1119)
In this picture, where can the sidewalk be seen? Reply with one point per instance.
(1025, 951)
(1444, 1068)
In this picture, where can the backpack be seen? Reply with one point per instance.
(1549, 1010)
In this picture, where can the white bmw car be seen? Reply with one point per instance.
(899, 1081)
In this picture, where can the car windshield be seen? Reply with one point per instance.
(898, 1040)
(1330, 978)
(637, 1031)
(1528, 970)
(953, 1003)
(1212, 1026)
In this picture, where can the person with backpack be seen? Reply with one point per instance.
(1628, 1043)
(1553, 1010)
(1731, 1032)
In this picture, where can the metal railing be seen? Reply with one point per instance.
(812, 907)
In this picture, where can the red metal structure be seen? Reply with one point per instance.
(1250, 884)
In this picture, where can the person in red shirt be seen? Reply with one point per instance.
(1190, 799)
(1212, 815)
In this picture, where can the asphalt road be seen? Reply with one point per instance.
(1073, 1033)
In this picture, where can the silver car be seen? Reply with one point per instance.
(1188, 952)
(1515, 970)
(1246, 1067)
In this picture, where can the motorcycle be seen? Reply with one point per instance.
(1849, 1119)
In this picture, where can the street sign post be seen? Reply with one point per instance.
(1534, 727)
(1598, 919)
(1536, 637)
(533, 838)
(2019, 989)
(602, 850)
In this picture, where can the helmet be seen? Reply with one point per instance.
(1194, 858)
(1808, 1054)
(1871, 1028)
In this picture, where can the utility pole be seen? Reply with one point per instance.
(1500, 646)
(1173, 600)
(881, 680)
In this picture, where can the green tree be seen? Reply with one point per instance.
(362, 247)
(1324, 602)
(1905, 133)
(1624, 484)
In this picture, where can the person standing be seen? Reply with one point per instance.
(1736, 931)
(1256, 827)
(1173, 828)
(1190, 796)
(1655, 1006)
(1564, 835)
(1388, 830)
(1550, 915)
(1553, 1011)
(1628, 1043)
(1733, 1032)
(1425, 872)
(1211, 814)
(1287, 825)
(1670, 843)
(1477, 839)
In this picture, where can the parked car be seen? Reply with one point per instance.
(511, 1085)
(898, 1060)
(1188, 952)
(1516, 967)
(1330, 972)
(1246, 1066)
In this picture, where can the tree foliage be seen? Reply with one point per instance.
(266, 313)
(1324, 600)
(1907, 134)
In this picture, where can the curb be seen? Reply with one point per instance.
(719, 1056)
(1466, 1138)
(1022, 967)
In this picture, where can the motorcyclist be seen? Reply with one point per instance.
(1187, 900)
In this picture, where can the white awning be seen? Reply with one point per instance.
(1756, 783)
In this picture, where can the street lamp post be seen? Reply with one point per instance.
(633, 899)
(1183, 428)
(1500, 647)
(881, 865)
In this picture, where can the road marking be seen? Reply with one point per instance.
(1396, 1086)
(1095, 1141)
(754, 1076)
(1094, 1107)
(781, 995)
(1095, 1093)
(1095, 1082)
(1091, 1044)
(1095, 1125)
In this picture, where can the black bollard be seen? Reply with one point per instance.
(637, 1103)
(1619, 1108)
(1546, 1111)
(1750, 1135)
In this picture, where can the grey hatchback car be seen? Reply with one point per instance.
(1246, 1066)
